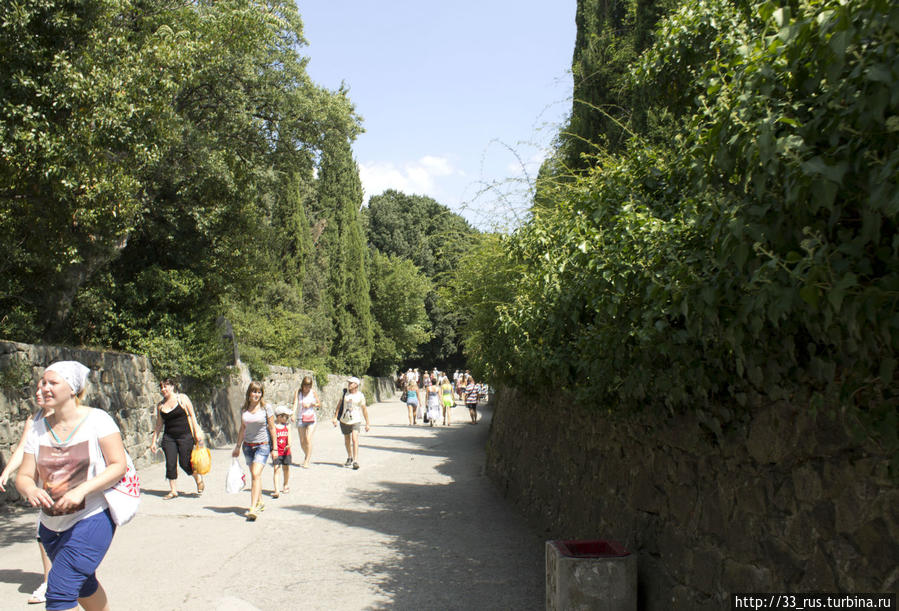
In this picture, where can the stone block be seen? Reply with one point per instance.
(590, 575)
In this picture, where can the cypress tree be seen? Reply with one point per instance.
(343, 242)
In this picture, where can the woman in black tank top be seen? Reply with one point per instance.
(175, 412)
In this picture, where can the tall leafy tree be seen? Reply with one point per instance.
(83, 115)
(433, 238)
(398, 290)
(607, 108)
(340, 191)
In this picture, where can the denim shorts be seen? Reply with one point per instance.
(256, 453)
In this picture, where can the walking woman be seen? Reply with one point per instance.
(15, 461)
(257, 427)
(471, 399)
(71, 457)
(433, 398)
(412, 400)
(351, 413)
(449, 402)
(305, 402)
(176, 413)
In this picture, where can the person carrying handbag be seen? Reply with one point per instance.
(182, 431)
(305, 402)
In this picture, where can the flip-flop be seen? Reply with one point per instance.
(169, 496)
(286, 490)
(276, 495)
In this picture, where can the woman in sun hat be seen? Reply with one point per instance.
(71, 457)
(351, 413)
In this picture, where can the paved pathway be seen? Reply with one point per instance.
(419, 526)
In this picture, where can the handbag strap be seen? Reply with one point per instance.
(190, 420)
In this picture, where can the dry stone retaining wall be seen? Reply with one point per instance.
(124, 385)
(788, 504)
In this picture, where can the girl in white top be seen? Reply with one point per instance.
(70, 458)
(305, 402)
(351, 412)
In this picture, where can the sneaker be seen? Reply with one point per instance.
(355, 465)
(39, 596)
(348, 463)
(251, 515)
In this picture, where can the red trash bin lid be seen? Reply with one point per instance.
(598, 548)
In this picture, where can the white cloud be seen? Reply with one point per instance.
(414, 177)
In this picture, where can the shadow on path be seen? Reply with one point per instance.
(453, 545)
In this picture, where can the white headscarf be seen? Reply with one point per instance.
(73, 372)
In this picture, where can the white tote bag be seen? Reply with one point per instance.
(124, 497)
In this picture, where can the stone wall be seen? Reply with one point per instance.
(788, 503)
(124, 385)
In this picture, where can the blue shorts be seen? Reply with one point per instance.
(256, 453)
(76, 553)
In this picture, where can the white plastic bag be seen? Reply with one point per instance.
(236, 479)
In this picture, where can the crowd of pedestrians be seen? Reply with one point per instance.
(430, 396)
(69, 454)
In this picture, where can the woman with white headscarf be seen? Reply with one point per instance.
(351, 411)
(71, 457)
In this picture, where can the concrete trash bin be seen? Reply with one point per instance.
(595, 575)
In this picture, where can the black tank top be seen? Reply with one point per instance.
(176, 424)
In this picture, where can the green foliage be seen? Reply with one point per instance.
(607, 107)
(398, 291)
(340, 191)
(485, 284)
(158, 173)
(420, 230)
(15, 375)
(751, 253)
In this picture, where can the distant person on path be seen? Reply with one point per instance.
(434, 401)
(471, 399)
(282, 442)
(176, 413)
(351, 413)
(304, 403)
(257, 426)
(71, 457)
(38, 596)
(449, 402)
(412, 401)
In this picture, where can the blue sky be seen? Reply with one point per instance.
(447, 92)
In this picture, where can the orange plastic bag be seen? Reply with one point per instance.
(201, 460)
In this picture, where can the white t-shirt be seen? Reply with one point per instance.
(352, 407)
(63, 466)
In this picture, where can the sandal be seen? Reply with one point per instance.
(201, 486)
(276, 495)
(39, 596)
(286, 490)
(169, 496)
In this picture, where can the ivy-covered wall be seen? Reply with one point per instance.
(787, 502)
